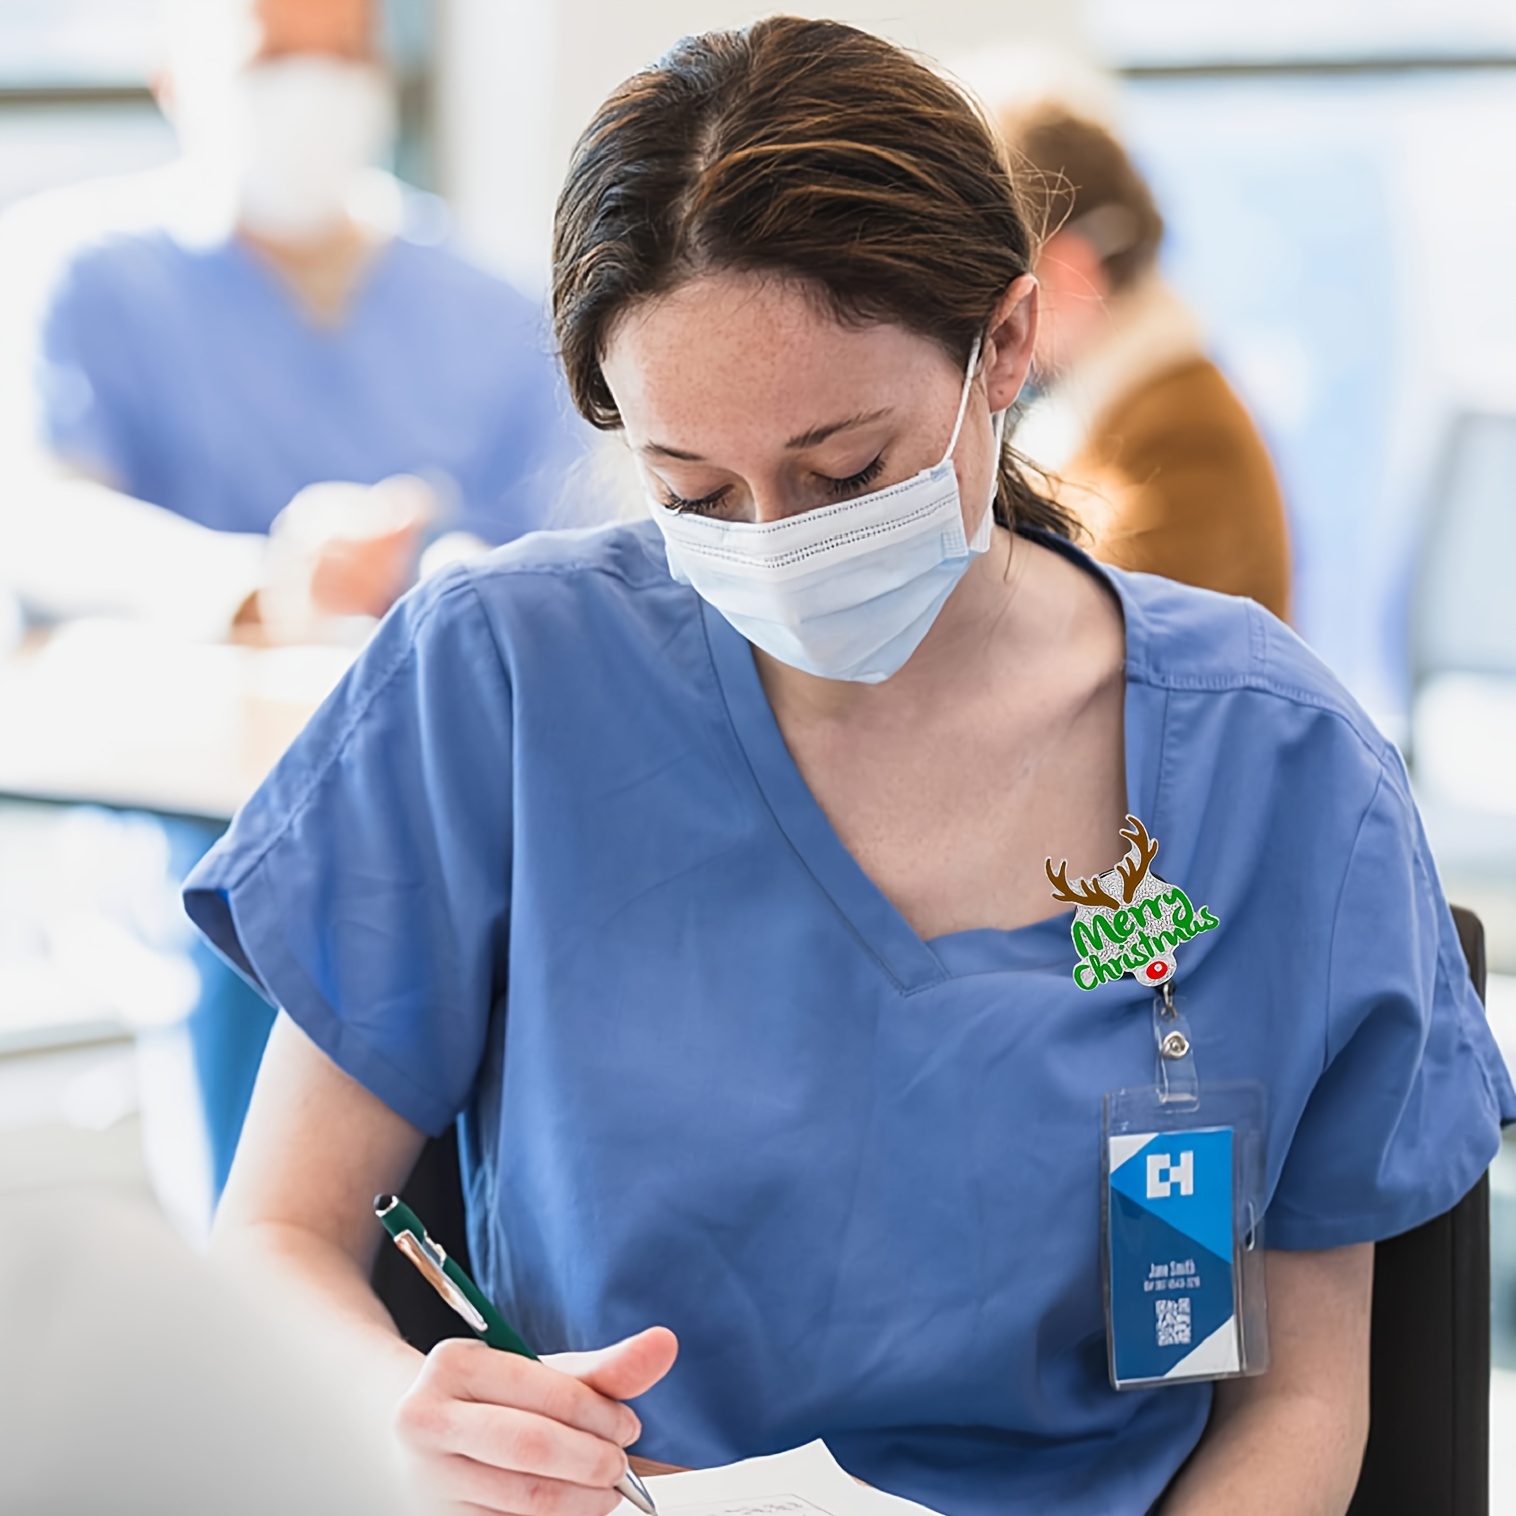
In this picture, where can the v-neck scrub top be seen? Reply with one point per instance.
(543, 864)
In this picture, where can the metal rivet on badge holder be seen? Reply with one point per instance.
(1128, 920)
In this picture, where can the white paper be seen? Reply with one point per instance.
(806, 1481)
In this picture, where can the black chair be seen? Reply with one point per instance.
(1429, 1439)
(1429, 1396)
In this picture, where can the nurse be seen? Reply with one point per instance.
(696, 867)
(270, 321)
(290, 385)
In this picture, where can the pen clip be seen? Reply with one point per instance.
(429, 1258)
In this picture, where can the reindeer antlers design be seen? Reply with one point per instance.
(1134, 870)
(1081, 892)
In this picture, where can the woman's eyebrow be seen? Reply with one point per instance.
(821, 433)
(817, 434)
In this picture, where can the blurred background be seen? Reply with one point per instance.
(180, 583)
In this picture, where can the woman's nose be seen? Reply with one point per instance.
(775, 504)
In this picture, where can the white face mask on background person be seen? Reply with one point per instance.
(845, 591)
(308, 126)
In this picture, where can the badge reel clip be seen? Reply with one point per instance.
(1183, 1220)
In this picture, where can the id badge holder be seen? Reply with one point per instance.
(1182, 1239)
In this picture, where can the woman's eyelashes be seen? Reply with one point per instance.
(855, 482)
(704, 506)
(838, 489)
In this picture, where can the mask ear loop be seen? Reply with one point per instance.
(997, 420)
(963, 400)
(981, 538)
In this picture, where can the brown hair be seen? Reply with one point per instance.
(805, 149)
(1080, 177)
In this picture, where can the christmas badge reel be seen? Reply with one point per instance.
(1182, 1162)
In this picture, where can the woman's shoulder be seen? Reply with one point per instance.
(553, 603)
(605, 559)
(1225, 650)
(547, 604)
(553, 617)
(619, 567)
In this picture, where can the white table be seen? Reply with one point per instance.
(120, 715)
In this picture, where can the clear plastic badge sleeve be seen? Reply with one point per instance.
(1182, 1245)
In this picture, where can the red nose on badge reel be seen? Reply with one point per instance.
(1128, 920)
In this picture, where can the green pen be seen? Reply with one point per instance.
(465, 1297)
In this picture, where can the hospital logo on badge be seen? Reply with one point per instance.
(1165, 1172)
(1128, 920)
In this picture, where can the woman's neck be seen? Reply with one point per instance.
(983, 619)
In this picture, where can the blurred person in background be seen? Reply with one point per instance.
(265, 394)
(269, 332)
(1154, 450)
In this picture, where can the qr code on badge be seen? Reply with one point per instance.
(1173, 1322)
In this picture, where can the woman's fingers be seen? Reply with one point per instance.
(627, 1368)
(458, 1483)
(532, 1444)
(471, 1371)
(497, 1432)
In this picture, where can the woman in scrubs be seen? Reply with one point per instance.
(696, 868)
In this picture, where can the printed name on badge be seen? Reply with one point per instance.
(1128, 920)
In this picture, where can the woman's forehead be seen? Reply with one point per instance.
(761, 343)
(736, 307)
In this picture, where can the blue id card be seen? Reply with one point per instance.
(1182, 1256)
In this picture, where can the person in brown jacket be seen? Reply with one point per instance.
(1146, 440)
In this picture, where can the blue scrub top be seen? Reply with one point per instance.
(189, 376)
(543, 862)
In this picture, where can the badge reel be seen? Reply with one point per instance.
(1183, 1221)
(1183, 1165)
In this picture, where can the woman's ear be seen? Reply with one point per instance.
(1008, 343)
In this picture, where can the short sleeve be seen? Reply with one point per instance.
(364, 888)
(1406, 1114)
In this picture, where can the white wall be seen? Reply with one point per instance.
(520, 78)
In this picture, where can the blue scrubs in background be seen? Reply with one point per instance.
(189, 376)
(544, 864)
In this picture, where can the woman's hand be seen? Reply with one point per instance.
(484, 1430)
(341, 549)
(479, 1430)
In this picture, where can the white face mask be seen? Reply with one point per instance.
(309, 125)
(844, 591)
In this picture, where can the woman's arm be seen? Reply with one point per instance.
(72, 547)
(298, 1213)
(1290, 1442)
(479, 1429)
